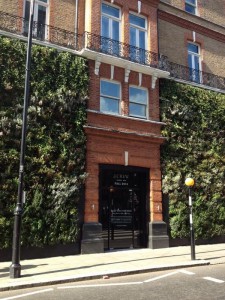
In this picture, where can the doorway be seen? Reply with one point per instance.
(124, 208)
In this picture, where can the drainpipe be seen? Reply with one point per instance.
(76, 22)
(158, 33)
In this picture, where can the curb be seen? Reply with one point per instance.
(101, 275)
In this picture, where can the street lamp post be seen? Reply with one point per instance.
(190, 182)
(15, 268)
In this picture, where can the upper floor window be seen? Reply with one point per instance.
(138, 100)
(138, 34)
(40, 18)
(194, 62)
(110, 97)
(110, 28)
(191, 6)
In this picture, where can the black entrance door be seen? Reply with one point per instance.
(123, 209)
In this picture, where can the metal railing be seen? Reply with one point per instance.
(64, 38)
(122, 50)
(192, 75)
(58, 36)
(41, 32)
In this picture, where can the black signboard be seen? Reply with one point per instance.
(121, 180)
(121, 217)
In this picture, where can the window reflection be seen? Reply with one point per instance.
(109, 97)
(137, 38)
(138, 99)
(110, 29)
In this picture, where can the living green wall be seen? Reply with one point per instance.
(195, 146)
(55, 146)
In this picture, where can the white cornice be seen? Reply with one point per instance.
(138, 120)
(123, 63)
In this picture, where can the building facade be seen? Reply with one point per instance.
(129, 45)
(197, 30)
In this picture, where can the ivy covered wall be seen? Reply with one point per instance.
(195, 146)
(55, 151)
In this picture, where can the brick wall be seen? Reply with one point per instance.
(119, 74)
(108, 137)
(10, 6)
(176, 3)
(107, 145)
(211, 50)
(148, 10)
(63, 14)
(211, 10)
(108, 148)
(176, 51)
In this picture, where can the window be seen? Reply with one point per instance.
(191, 6)
(40, 18)
(194, 62)
(137, 38)
(110, 29)
(109, 97)
(138, 102)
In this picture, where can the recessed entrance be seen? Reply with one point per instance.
(124, 208)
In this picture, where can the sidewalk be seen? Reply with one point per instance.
(38, 272)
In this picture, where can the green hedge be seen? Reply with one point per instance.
(195, 146)
(55, 151)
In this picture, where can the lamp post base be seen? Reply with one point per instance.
(15, 271)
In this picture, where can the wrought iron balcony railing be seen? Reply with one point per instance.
(122, 50)
(64, 38)
(42, 32)
(192, 75)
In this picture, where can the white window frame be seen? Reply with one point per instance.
(35, 19)
(137, 54)
(194, 6)
(108, 96)
(193, 55)
(109, 44)
(139, 28)
(145, 105)
(111, 19)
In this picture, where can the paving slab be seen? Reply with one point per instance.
(62, 269)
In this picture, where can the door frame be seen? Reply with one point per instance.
(146, 202)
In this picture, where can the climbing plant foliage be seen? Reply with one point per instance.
(195, 146)
(55, 146)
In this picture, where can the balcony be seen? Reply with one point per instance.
(186, 74)
(107, 50)
(18, 27)
(57, 36)
(121, 50)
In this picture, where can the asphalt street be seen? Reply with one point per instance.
(195, 283)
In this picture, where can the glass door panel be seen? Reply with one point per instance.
(123, 210)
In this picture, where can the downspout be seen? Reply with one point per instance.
(158, 33)
(76, 23)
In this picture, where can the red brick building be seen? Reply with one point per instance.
(129, 45)
(123, 189)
